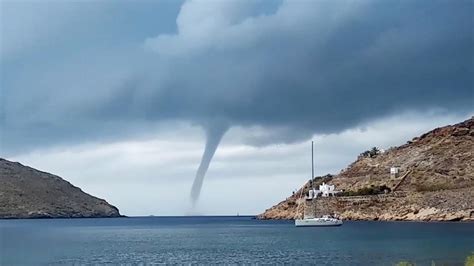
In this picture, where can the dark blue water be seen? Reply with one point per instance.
(151, 240)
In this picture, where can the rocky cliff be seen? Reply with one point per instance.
(28, 193)
(435, 182)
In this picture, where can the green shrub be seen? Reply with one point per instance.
(371, 153)
(405, 263)
(372, 190)
(470, 260)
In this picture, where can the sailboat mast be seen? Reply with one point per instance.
(312, 160)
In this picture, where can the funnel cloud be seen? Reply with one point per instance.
(213, 138)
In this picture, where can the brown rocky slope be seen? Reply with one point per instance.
(28, 193)
(435, 182)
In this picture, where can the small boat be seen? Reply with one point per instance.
(322, 221)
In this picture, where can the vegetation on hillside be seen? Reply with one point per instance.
(371, 153)
(372, 190)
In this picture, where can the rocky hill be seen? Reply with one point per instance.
(435, 182)
(28, 193)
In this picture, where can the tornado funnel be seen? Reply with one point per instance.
(213, 138)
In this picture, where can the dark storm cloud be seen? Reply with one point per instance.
(295, 69)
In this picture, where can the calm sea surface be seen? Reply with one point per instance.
(150, 240)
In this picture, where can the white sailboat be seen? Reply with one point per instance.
(306, 221)
(322, 221)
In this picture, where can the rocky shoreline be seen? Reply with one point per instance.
(431, 206)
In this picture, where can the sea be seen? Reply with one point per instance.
(230, 240)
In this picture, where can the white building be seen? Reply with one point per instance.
(394, 171)
(327, 190)
(324, 189)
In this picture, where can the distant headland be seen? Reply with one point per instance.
(29, 193)
(430, 178)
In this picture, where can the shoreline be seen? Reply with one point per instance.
(385, 221)
(65, 218)
(250, 217)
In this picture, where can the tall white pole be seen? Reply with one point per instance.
(312, 160)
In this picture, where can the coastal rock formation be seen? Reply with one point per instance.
(28, 193)
(435, 182)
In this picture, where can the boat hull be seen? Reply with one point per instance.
(316, 223)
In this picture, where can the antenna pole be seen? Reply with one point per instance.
(312, 160)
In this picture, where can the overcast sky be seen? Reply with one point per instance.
(117, 96)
